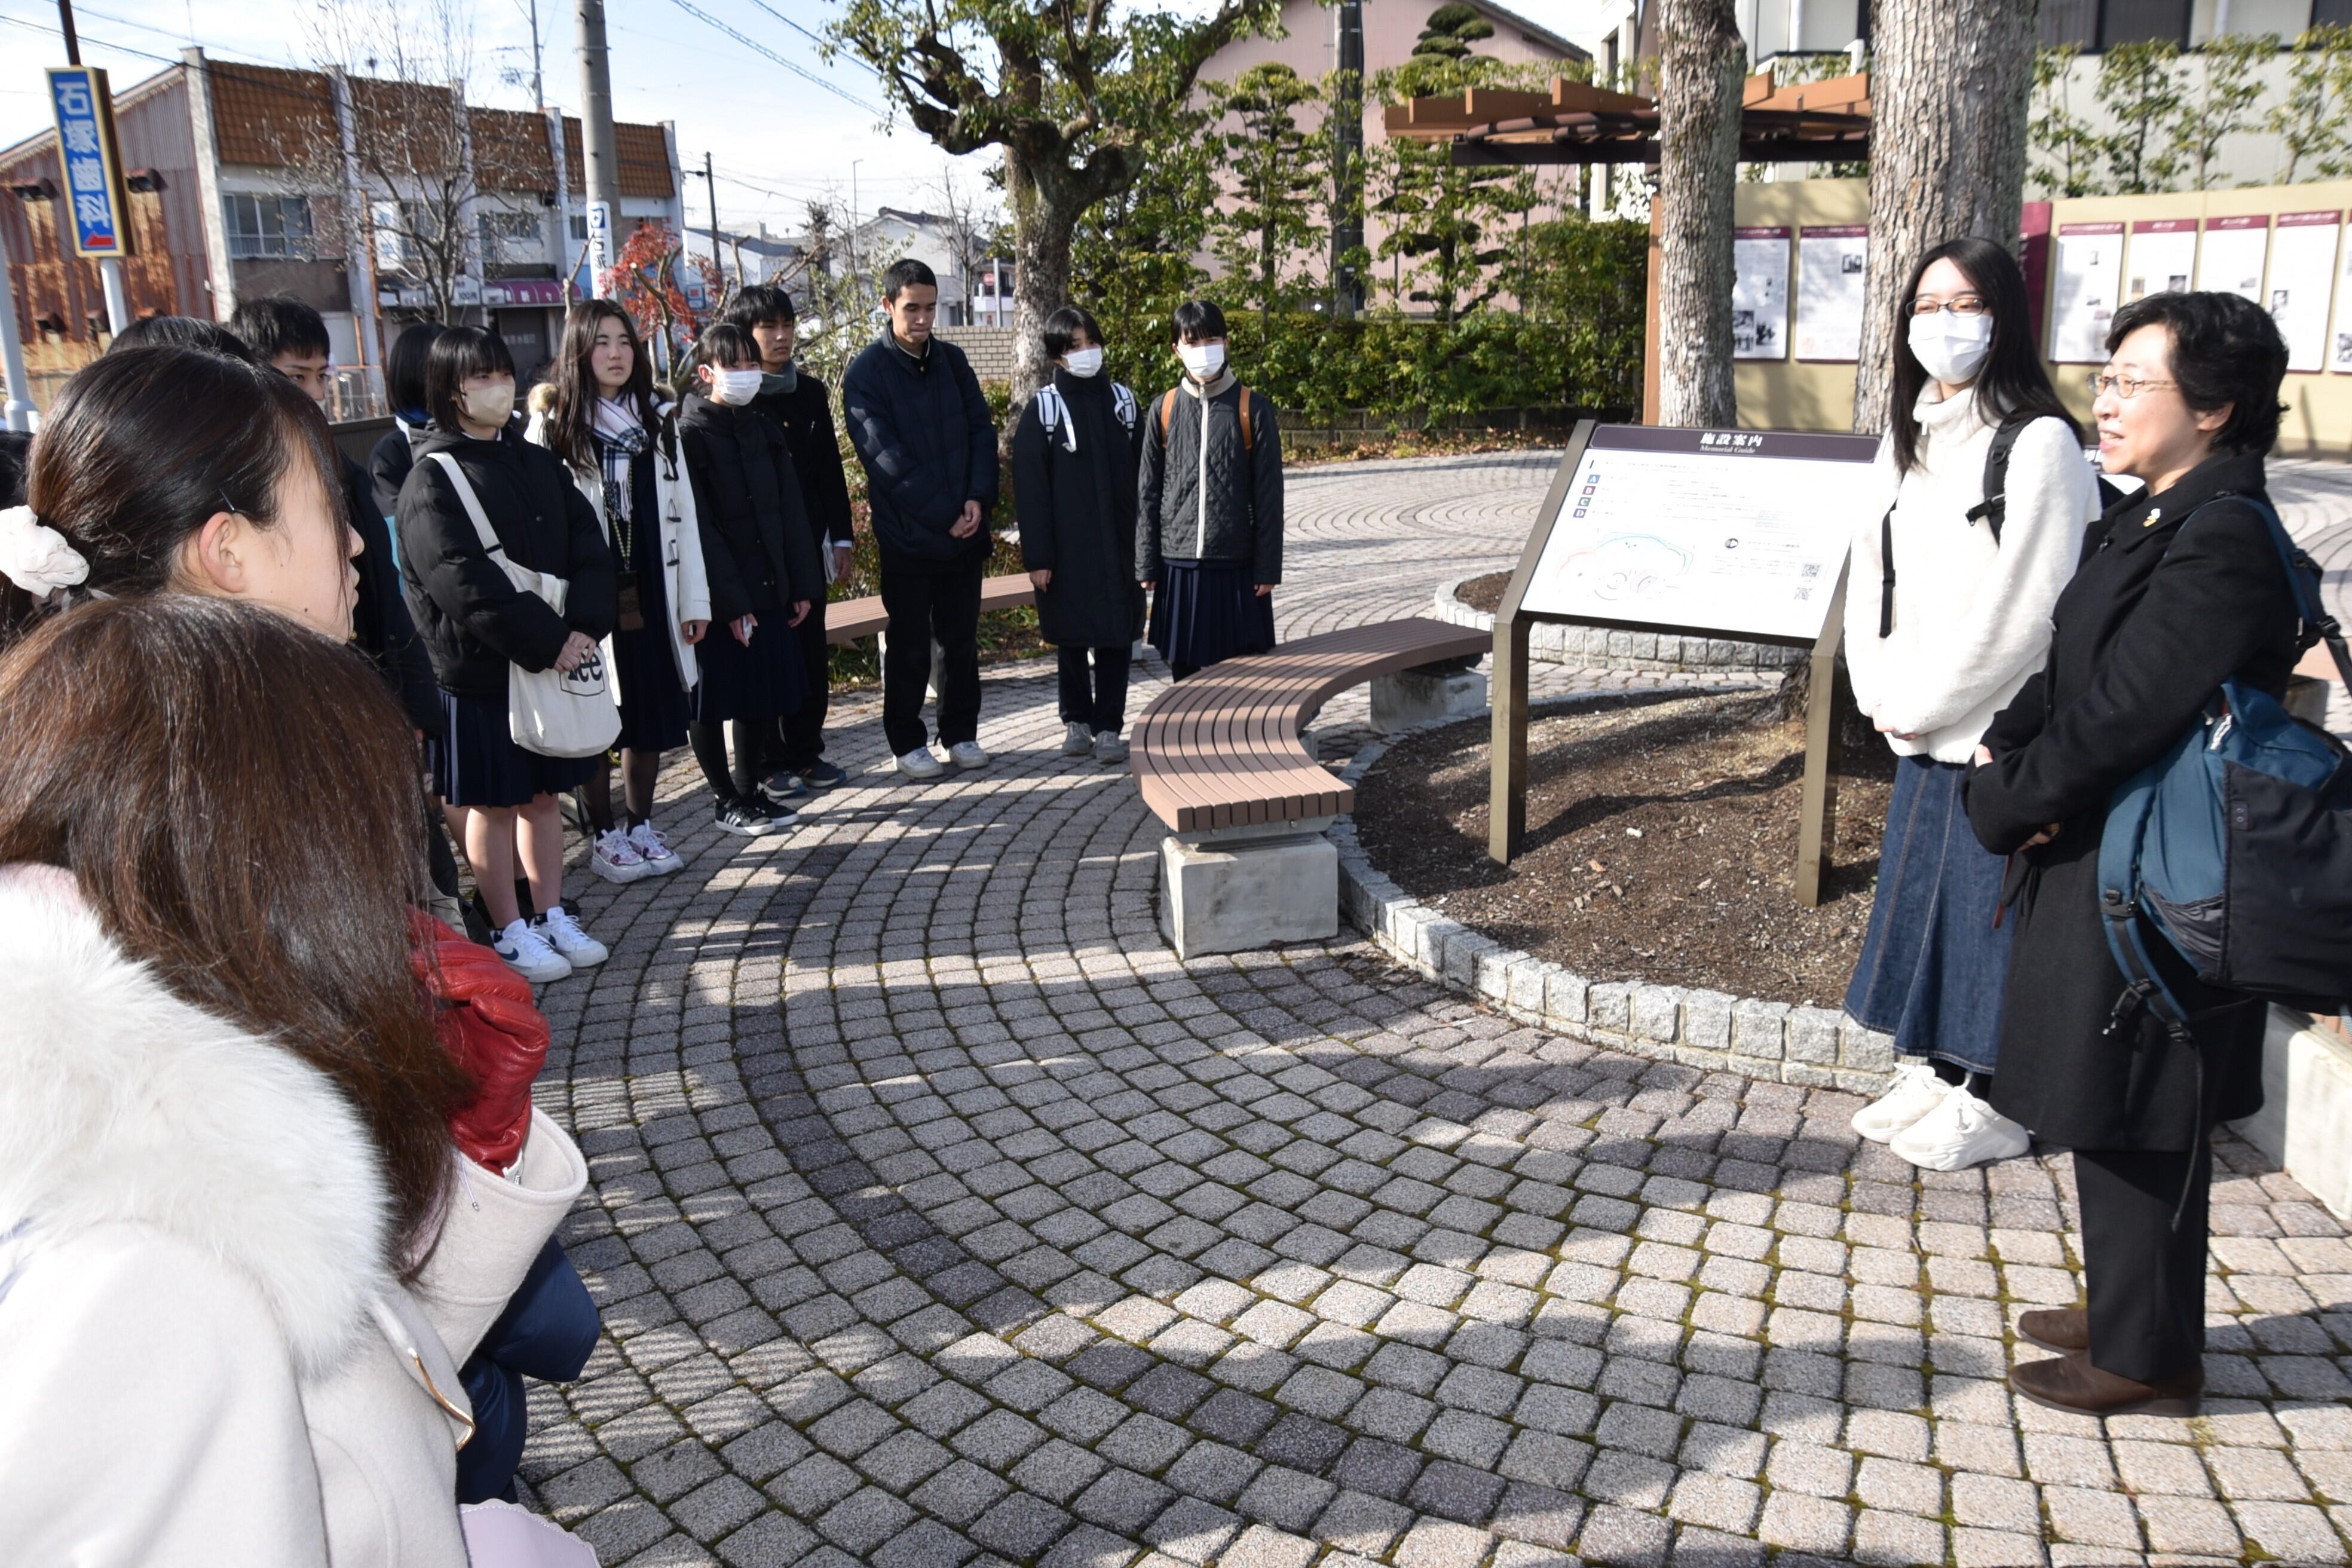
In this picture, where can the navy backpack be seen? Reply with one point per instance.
(2235, 846)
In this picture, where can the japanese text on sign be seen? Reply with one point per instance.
(93, 189)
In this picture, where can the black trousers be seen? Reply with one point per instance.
(801, 735)
(1094, 686)
(2146, 1279)
(927, 602)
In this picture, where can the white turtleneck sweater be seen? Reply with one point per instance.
(1971, 618)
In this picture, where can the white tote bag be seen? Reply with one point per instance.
(547, 712)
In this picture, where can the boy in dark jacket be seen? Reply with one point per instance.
(798, 403)
(922, 432)
(765, 579)
(1208, 536)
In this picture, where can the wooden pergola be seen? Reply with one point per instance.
(1577, 123)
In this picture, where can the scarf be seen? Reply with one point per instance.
(621, 439)
(781, 382)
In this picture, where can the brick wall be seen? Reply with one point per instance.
(990, 348)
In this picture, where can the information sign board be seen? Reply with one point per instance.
(2163, 257)
(1829, 292)
(2303, 272)
(2090, 268)
(1760, 293)
(93, 173)
(1736, 532)
(2231, 260)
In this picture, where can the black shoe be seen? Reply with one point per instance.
(779, 814)
(822, 774)
(741, 816)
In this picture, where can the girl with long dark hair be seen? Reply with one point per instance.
(403, 388)
(622, 448)
(1947, 613)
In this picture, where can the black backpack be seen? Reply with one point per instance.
(1992, 512)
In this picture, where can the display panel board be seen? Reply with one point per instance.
(2163, 257)
(1739, 533)
(2303, 274)
(2231, 260)
(2090, 265)
(1830, 293)
(1759, 292)
(2339, 354)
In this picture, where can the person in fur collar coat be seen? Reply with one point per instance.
(240, 1259)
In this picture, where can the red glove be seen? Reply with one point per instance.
(487, 1019)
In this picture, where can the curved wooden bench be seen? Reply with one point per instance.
(846, 620)
(1223, 748)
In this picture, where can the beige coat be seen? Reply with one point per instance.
(202, 1357)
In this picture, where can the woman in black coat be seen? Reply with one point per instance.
(2179, 589)
(475, 623)
(760, 558)
(403, 388)
(1074, 454)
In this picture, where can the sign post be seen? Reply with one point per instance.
(95, 199)
(1736, 534)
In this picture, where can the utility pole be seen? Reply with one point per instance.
(710, 184)
(853, 220)
(109, 270)
(538, 90)
(597, 142)
(1348, 157)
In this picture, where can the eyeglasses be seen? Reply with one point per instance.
(2124, 386)
(1958, 305)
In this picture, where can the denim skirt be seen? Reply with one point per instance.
(1936, 960)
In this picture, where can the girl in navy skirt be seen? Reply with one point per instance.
(476, 623)
(1209, 526)
(1964, 621)
(760, 557)
(623, 449)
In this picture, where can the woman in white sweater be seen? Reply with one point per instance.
(1947, 614)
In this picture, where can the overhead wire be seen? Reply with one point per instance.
(697, 12)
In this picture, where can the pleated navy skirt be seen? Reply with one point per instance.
(1934, 965)
(476, 761)
(762, 680)
(1205, 611)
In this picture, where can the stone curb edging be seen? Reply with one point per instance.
(1599, 647)
(1711, 1031)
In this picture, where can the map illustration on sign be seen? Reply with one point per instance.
(1734, 532)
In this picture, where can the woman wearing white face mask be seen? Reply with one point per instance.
(1947, 613)
(474, 623)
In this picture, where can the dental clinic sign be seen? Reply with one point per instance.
(93, 172)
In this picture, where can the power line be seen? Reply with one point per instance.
(700, 14)
(812, 37)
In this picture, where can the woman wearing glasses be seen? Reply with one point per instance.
(1947, 613)
(2179, 589)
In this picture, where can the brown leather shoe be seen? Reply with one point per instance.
(2067, 1329)
(2070, 1383)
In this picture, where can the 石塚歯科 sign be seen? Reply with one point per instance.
(87, 159)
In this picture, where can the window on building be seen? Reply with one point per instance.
(2339, 12)
(513, 239)
(577, 226)
(2101, 24)
(268, 226)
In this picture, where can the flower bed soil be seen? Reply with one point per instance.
(1484, 592)
(1662, 845)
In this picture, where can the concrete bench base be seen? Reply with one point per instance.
(1412, 698)
(1246, 887)
(2305, 1122)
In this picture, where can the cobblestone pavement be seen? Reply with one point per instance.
(940, 1216)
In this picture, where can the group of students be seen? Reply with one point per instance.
(2028, 636)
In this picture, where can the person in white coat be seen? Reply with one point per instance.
(1985, 497)
(622, 448)
(240, 1259)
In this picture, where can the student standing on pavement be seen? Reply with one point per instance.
(1073, 458)
(1209, 531)
(403, 388)
(476, 623)
(623, 453)
(1960, 618)
(797, 402)
(922, 431)
(761, 561)
(2180, 588)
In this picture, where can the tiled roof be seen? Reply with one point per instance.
(510, 151)
(270, 119)
(644, 154)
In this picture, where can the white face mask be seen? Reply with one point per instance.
(1203, 361)
(489, 406)
(1082, 361)
(734, 387)
(1952, 348)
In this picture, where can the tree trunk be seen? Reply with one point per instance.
(1950, 85)
(1700, 68)
(1045, 214)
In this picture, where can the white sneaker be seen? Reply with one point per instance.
(528, 955)
(968, 754)
(562, 933)
(1960, 1132)
(659, 858)
(1916, 1092)
(1076, 739)
(615, 858)
(920, 763)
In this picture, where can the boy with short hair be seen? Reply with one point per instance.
(1209, 503)
(796, 401)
